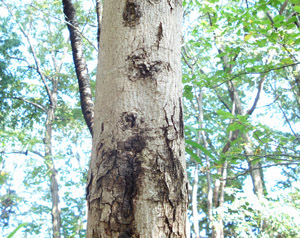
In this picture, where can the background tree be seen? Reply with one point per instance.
(38, 96)
(226, 73)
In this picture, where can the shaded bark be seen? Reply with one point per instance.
(137, 185)
(86, 100)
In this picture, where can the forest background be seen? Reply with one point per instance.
(240, 62)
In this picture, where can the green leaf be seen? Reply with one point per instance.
(297, 8)
(225, 115)
(193, 155)
(200, 147)
(18, 228)
(187, 92)
(278, 18)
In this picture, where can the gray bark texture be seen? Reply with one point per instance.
(137, 185)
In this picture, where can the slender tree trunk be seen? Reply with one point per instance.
(99, 16)
(235, 98)
(202, 135)
(86, 100)
(255, 170)
(56, 211)
(137, 184)
(195, 203)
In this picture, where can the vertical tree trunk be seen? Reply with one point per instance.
(202, 135)
(255, 170)
(137, 183)
(56, 211)
(195, 203)
(86, 100)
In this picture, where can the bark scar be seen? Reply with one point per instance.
(159, 34)
(131, 13)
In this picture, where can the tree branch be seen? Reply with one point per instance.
(287, 120)
(261, 167)
(68, 23)
(260, 86)
(38, 68)
(32, 103)
(87, 104)
(262, 72)
(283, 6)
(98, 12)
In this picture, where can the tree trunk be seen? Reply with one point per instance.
(255, 168)
(56, 211)
(137, 184)
(86, 100)
(195, 203)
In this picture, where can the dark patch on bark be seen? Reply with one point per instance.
(87, 189)
(129, 171)
(170, 4)
(170, 155)
(181, 125)
(131, 13)
(135, 144)
(127, 234)
(159, 34)
(154, 1)
(174, 166)
(131, 120)
(142, 67)
(102, 127)
(99, 146)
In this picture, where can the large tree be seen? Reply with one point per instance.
(137, 183)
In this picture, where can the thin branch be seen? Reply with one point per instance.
(23, 152)
(262, 72)
(283, 6)
(261, 167)
(287, 120)
(65, 22)
(260, 86)
(222, 101)
(271, 155)
(33, 53)
(32, 103)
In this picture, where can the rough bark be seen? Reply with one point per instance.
(137, 184)
(86, 100)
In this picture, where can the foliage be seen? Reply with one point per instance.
(275, 216)
(35, 52)
(240, 76)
